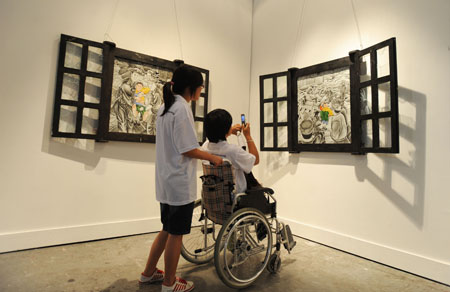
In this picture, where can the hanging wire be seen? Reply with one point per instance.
(357, 25)
(108, 29)
(250, 78)
(299, 32)
(178, 28)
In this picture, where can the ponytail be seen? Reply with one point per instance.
(168, 97)
(184, 78)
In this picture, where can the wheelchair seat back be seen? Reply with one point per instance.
(218, 194)
(217, 190)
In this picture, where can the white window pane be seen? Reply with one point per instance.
(200, 107)
(385, 132)
(282, 86)
(367, 133)
(89, 124)
(366, 100)
(95, 59)
(70, 86)
(67, 119)
(383, 62)
(73, 55)
(384, 97)
(92, 89)
(268, 112)
(268, 137)
(199, 130)
(364, 68)
(268, 88)
(204, 82)
(282, 136)
(282, 111)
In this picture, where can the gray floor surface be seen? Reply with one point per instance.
(115, 264)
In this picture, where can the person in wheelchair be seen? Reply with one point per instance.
(218, 127)
(249, 236)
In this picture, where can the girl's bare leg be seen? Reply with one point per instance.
(156, 251)
(171, 257)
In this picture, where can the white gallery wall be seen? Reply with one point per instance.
(394, 209)
(53, 192)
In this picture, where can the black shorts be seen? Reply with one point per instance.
(177, 219)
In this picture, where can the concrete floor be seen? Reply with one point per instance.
(115, 264)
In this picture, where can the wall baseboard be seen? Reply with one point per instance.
(416, 264)
(432, 269)
(72, 234)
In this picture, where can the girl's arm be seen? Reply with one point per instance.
(203, 155)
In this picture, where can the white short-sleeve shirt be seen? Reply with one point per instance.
(241, 160)
(176, 182)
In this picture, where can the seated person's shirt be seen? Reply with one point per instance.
(241, 160)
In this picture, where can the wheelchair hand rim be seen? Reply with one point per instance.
(268, 251)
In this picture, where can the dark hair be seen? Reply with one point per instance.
(183, 78)
(217, 124)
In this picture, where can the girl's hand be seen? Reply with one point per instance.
(235, 129)
(216, 160)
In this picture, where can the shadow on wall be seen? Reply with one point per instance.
(407, 169)
(85, 151)
(400, 177)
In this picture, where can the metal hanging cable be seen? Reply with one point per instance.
(178, 28)
(250, 78)
(108, 29)
(357, 25)
(299, 32)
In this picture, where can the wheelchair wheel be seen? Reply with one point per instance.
(198, 246)
(243, 248)
(274, 263)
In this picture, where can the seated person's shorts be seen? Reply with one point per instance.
(177, 219)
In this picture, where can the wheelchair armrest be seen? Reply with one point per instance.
(260, 189)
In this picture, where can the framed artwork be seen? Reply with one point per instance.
(134, 95)
(345, 105)
(107, 93)
(322, 107)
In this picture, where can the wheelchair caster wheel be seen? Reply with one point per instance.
(274, 264)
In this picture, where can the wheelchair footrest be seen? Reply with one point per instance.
(208, 230)
(287, 237)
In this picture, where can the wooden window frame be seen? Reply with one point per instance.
(295, 145)
(80, 103)
(275, 124)
(374, 82)
(353, 62)
(109, 54)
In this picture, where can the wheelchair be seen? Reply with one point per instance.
(240, 231)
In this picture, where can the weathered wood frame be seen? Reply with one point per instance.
(80, 104)
(295, 74)
(110, 53)
(275, 100)
(374, 82)
(354, 63)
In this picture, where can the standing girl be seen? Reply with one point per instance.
(176, 170)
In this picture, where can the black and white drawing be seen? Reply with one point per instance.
(324, 108)
(348, 104)
(136, 97)
(111, 94)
